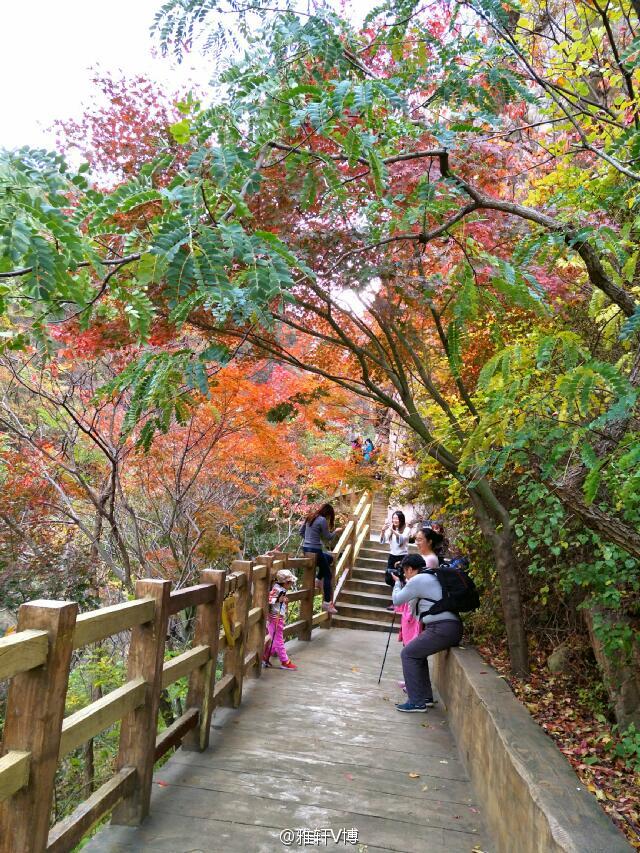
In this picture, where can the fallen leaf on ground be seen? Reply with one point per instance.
(163, 784)
(414, 775)
(443, 761)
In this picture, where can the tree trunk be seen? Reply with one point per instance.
(89, 769)
(621, 676)
(89, 755)
(499, 535)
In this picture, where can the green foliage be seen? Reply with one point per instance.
(627, 746)
(573, 560)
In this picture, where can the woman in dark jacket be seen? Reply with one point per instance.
(318, 529)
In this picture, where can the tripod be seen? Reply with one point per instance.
(393, 622)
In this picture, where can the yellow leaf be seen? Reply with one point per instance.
(414, 775)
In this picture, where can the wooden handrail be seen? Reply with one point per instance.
(98, 716)
(14, 772)
(190, 596)
(344, 537)
(66, 834)
(183, 664)
(37, 659)
(351, 542)
(22, 651)
(100, 624)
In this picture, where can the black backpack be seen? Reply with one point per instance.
(459, 592)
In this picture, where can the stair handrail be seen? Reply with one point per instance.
(353, 536)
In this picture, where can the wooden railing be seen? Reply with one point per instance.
(37, 659)
(351, 540)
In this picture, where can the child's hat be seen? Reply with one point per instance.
(285, 575)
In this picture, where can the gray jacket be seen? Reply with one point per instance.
(316, 533)
(421, 587)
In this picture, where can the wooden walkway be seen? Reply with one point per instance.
(322, 749)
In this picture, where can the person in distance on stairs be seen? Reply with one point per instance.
(318, 529)
(278, 606)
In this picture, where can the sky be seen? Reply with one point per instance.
(50, 45)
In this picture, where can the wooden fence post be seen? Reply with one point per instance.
(138, 729)
(35, 710)
(306, 604)
(261, 590)
(234, 657)
(202, 680)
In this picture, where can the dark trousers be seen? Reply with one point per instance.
(323, 565)
(435, 637)
(392, 559)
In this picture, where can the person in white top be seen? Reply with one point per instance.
(397, 535)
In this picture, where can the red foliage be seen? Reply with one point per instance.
(126, 127)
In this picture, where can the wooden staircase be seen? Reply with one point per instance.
(364, 596)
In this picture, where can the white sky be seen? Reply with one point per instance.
(48, 47)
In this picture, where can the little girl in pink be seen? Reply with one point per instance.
(278, 605)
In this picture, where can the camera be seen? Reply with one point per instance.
(398, 570)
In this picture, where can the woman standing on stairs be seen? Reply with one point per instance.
(318, 528)
(397, 535)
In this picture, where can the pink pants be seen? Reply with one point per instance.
(275, 645)
(409, 626)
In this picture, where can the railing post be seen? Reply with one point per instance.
(235, 655)
(138, 729)
(256, 631)
(306, 603)
(261, 599)
(35, 710)
(202, 680)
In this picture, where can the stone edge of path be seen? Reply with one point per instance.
(531, 799)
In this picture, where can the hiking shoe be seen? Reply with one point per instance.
(430, 703)
(288, 664)
(267, 664)
(390, 608)
(410, 708)
(328, 606)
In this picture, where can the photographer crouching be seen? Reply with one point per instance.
(441, 630)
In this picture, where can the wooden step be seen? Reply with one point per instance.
(366, 599)
(360, 611)
(378, 587)
(374, 549)
(358, 573)
(362, 625)
(370, 563)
